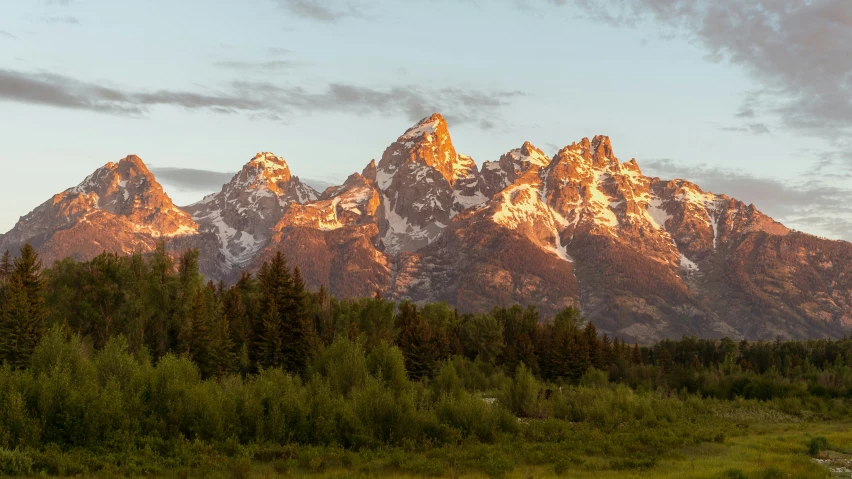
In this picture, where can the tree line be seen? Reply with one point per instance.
(162, 305)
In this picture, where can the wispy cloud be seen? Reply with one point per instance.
(207, 181)
(799, 51)
(278, 52)
(806, 204)
(7, 35)
(326, 11)
(66, 20)
(752, 128)
(259, 98)
(191, 179)
(267, 66)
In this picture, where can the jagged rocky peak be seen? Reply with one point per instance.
(264, 176)
(241, 216)
(265, 170)
(128, 188)
(497, 175)
(120, 207)
(370, 171)
(428, 142)
(424, 183)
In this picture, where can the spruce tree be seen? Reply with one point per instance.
(224, 356)
(415, 341)
(196, 336)
(5, 267)
(271, 335)
(636, 355)
(235, 315)
(300, 333)
(23, 313)
(593, 346)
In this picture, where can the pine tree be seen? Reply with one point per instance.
(269, 332)
(5, 267)
(593, 346)
(607, 356)
(196, 336)
(235, 315)
(415, 341)
(323, 317)
(224, 356)
(636, 355)
(285, 335)
(664, 360)
(23, 313)
(302, 341)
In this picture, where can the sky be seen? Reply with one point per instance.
(751, 98)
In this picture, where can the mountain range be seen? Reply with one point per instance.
(644, 258)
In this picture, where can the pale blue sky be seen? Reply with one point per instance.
(328, 85)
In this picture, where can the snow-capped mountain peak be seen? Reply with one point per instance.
(242, 214)
(645, 258)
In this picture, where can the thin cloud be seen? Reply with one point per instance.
(752, 128)
(191, 179)
(259, 99)
(268, 66)
(6, 34)
(325, 11)
(805, 204)
(278, 52)
(206, 181)
(66, 20)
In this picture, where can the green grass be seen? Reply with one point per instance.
(753, 452)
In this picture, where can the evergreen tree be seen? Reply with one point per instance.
(23, 313)
(235, 315)
(195, 338)
(224, 356)
(593, 346)
(5, 267)
(636, 355)
(302, 340)
(285, 335)
(416, 342)
(276, 286)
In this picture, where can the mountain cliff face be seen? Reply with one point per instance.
(237, 221)
(120, 208)
(644, 258)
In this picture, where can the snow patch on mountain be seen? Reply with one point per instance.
(658, 216)
(427, 126)
(522, 207)
(687, 265)
(403, 235)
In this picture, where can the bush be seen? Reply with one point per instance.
(15, 463)
(387, 363)
(343, 365)
(522, 395)
(817, 445)
(734, 474)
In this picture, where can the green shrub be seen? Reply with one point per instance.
(15, 463)
(343, 365)
(817, 445)
(387, 363)
(522, 395)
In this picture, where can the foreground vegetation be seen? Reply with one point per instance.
(132, 366)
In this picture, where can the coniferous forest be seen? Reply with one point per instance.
(132, 365)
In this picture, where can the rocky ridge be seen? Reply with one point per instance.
(645, 258)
